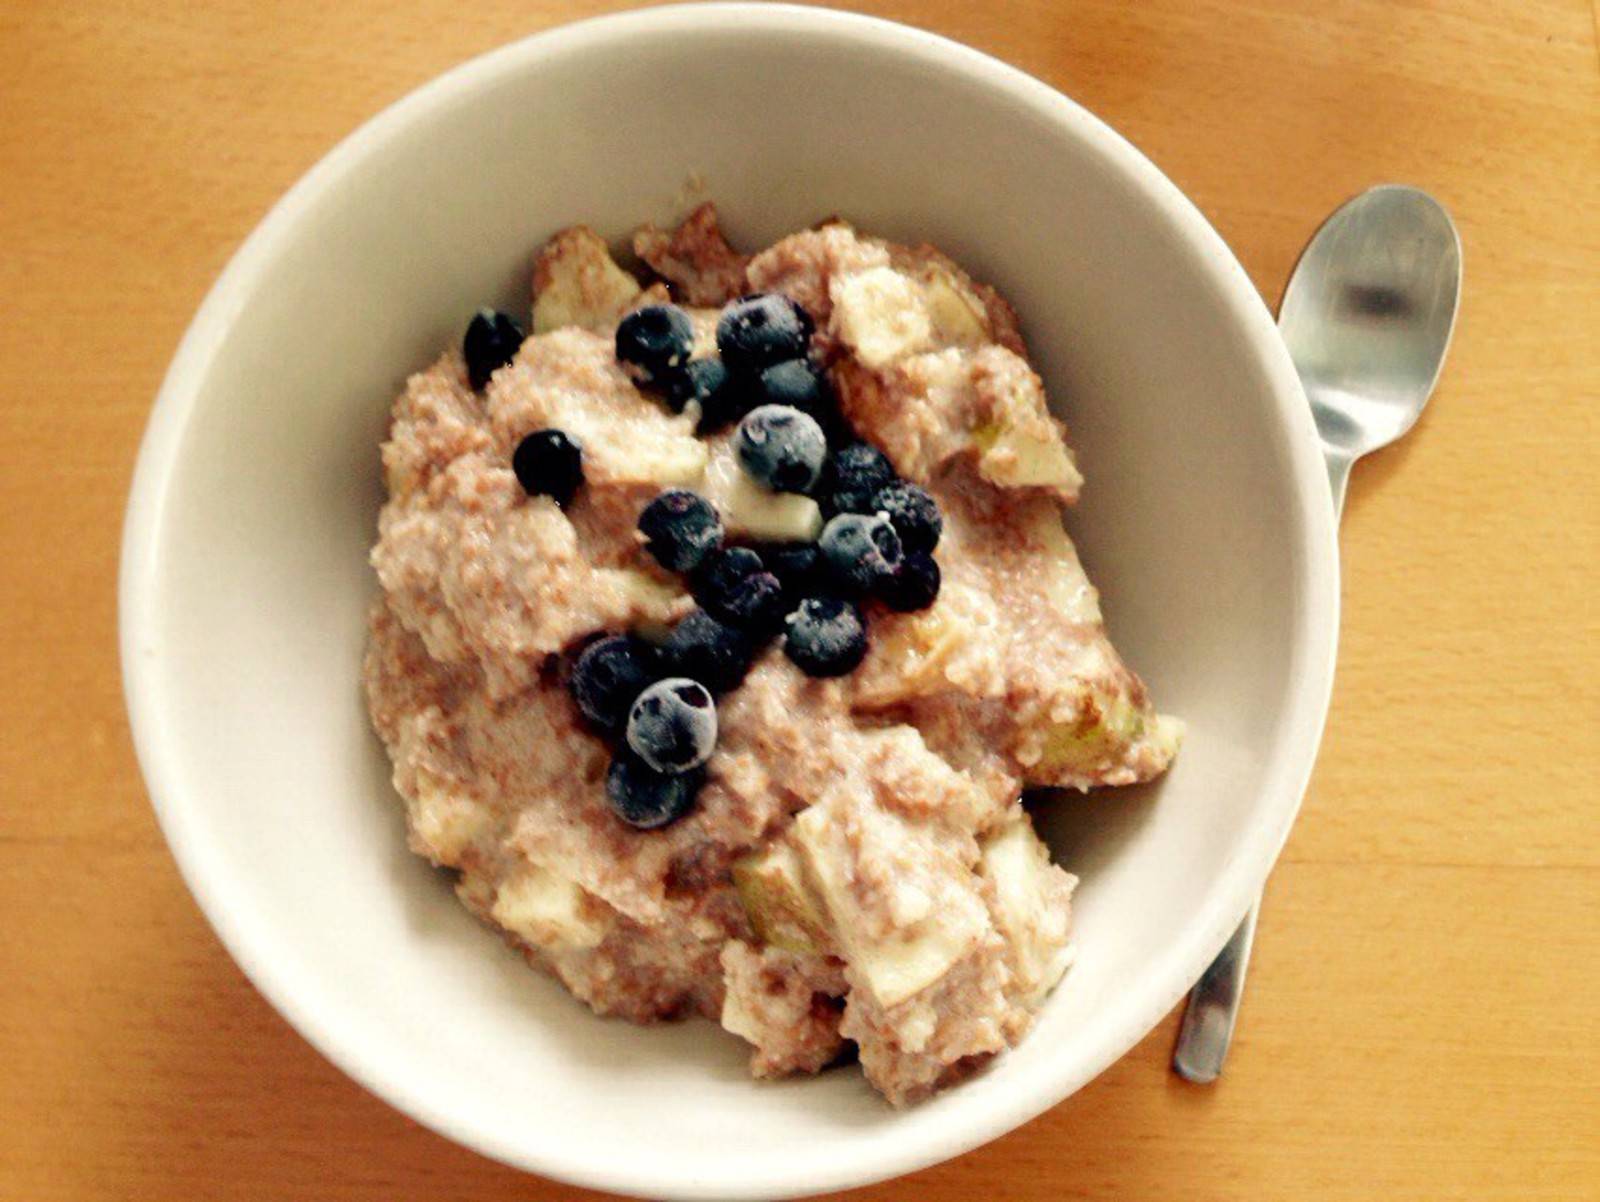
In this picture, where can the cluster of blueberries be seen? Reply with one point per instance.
(657, 702)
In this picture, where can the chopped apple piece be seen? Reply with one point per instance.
(444, 824)
(1106, 726)
(940, 915)
(667, 459)
(647, 594)
(1065, 582)
(577, 283)
(957, 320)
(909, 657)
(782, 908)
(1016, 457)
(1031, 905)
(548, 910)
(881, 315)
(751, 510)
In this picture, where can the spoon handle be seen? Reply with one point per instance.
(1214, 1007)
(1338, 476)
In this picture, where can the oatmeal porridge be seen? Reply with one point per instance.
(724, 619)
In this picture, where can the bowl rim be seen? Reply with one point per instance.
(1043, 1085)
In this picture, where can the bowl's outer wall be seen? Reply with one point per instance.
(245, 581)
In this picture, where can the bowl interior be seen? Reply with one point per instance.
(246, 581)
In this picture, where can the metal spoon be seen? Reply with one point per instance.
(1367, 319)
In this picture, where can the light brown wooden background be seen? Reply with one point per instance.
(1421, 1021)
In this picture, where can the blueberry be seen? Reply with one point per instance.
(861, 549)
(653, 343)
(801, 385)
(825, 637)
(680, 528)
(723, 571)
(735, 587)
(796, 383)
(914, 585)
(781, 448)
(798, 567)
(645, 798)
(609, 675)
(673, 725)
(757, 331)
(857, 474)
(914, 513)
(756, 606)
(708, 384)
(491, 342)
(712, 652)
(549, 463)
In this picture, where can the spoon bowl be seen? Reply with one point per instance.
(1367, 318)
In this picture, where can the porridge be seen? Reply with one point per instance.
(724, 619)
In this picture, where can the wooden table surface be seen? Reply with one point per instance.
(1422, 1014)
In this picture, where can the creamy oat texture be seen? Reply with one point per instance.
(858, 869)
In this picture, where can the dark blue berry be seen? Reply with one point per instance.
(654, 343)
(735, 587)
(801, 385)
(673, 725)
(781, 448)
(798, 384)
(609, 675)
(798, 567)
(825, 637)
(914, 513)
(757, 331)
(855, 477)
(645, 798)
(680, 528)
(724, 570)
(712, 652)
(549, 463)
(862, 550)
(756, 606)
(914, 585)
(708, 384)
(491, 342)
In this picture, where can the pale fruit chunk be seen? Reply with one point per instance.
(1106, 726)
(577, 283)
(668, 459)
(1064, 581)
(957, 319)
(750, 510)
(1031, 906)
(1019, 444)
(646, 594)
(781, 906)
(936, 915)
(881, 315)
(1164, 734)
(548, 910)
(1016, 457)
(445, 824)
(910, 654)
(736, 1019)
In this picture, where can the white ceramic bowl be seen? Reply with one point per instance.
(1205, 521)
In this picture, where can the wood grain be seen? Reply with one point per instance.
(1421, 1020)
